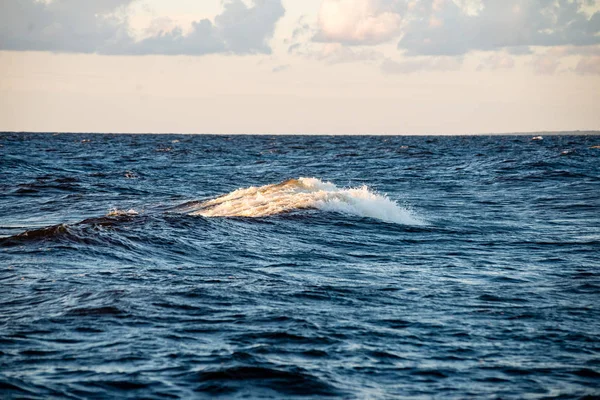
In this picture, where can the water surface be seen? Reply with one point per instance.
(349, 267)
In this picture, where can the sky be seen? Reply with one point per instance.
(300, 67)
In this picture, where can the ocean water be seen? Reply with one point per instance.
(174, 266)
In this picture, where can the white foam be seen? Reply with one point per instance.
(304, 193)
(115, 212)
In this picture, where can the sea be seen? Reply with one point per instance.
(299, 267)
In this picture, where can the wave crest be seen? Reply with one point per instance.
(303, 193)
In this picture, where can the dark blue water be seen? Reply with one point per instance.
(496, 294)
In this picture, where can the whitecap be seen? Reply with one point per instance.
(304, 193)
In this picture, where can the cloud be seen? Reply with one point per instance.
(300, 44)
(471, 8)
(489, 25)
(247, 29)
(65, 25)
(459, 27)
(549, 62)
(356, 22)
(545, 64)
(496, 61)
(588, 66)
(91, 26)
(336, 53)
(420, 64)
(281, 68)
(435, 35)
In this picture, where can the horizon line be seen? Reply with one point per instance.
(577, 132)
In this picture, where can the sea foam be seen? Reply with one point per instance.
(304, 193)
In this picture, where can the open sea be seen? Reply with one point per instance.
(352, 267)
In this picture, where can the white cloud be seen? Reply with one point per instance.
(547, 63)
(300, 44)
(588, 65)
(336, 53)
(456, 27)
(444, 27)
(407, 66)
(93, 26)
(280, 68)
(551, 60)
(357, 21)
(496, 61)
(470, 7)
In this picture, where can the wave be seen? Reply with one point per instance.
(115, 212)
(79, 232)
(263, 201)
(303, 193)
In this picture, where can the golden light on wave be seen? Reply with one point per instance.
(303, 193)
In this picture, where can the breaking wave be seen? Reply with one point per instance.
(303, 193)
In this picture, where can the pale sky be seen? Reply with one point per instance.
(304, 66)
